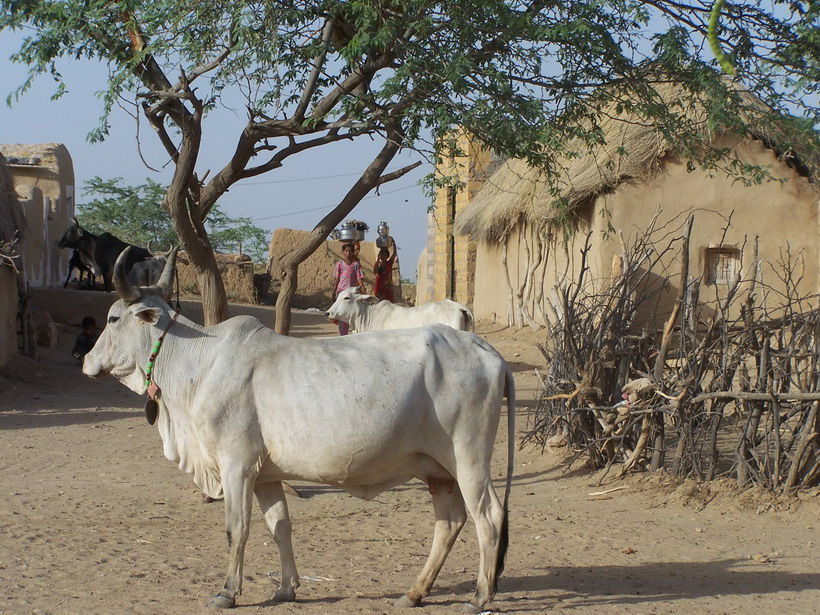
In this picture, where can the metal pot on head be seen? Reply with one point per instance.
(383, 240)
(352, 230)
(350, 234)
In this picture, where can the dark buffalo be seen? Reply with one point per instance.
(101, 250)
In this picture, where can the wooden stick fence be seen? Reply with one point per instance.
(729, 386)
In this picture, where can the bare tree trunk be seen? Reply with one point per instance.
(523, 242)
(211, 287)
(290, 274)
(202, 260)
(212, 291)
(745, 454)
(807, 436)
(657, 420)
(289, 278)
(188, 212)
(29, 343)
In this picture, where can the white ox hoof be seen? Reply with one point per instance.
(285, 595)
(468, 608)
(406, 602)
(221, 602)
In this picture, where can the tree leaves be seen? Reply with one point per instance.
(465, 62)
(136, 215)
(525, 76)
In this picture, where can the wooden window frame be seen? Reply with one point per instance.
(722, 265)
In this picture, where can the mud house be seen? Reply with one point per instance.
(43, 179)
(36, 203)
(12, 235)
(498, 243)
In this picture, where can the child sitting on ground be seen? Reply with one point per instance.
(86, 339)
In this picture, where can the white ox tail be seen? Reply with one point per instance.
(504, 538)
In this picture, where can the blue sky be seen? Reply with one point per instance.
(295, 196)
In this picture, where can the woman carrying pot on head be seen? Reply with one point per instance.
(383, 273)
(347, 273)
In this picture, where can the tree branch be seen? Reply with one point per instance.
(361, 75)
(398, 173)
(155, 119)
(318, 63)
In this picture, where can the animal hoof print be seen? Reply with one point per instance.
(221, 602)
(406, 602)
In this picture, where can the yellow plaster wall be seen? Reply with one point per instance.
(442, 273)
(46, 192)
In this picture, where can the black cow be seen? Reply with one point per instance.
(84, 270)
(102, 250)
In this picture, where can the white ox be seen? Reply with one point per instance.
(243, 409)
(147, 272)
(369, 313)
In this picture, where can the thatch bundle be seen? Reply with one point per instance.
(630, 146)
(12, 222)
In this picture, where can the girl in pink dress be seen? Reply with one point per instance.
(347, 273)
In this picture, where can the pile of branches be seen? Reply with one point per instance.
(642, 376)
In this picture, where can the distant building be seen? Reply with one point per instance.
(447, 265)
(43, 179)
(497, 245)
(12, 234)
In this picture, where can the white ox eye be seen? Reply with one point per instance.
(112, 319)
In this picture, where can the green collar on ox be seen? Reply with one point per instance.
(151, 405)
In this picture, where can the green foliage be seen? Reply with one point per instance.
(228, 234)
(714, 43)
(525, 76)
(499, 67)
(132, 213)
(136, 215)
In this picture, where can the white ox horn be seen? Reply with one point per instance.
(166, 280)
(127, 291)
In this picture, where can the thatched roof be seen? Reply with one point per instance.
(12, 222)
(631, 148)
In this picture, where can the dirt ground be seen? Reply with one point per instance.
(93, 519)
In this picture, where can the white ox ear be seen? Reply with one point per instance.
(370, 299)
(148, 315)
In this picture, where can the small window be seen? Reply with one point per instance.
(722, 265)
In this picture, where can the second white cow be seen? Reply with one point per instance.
(369, 313)
(147, 272)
